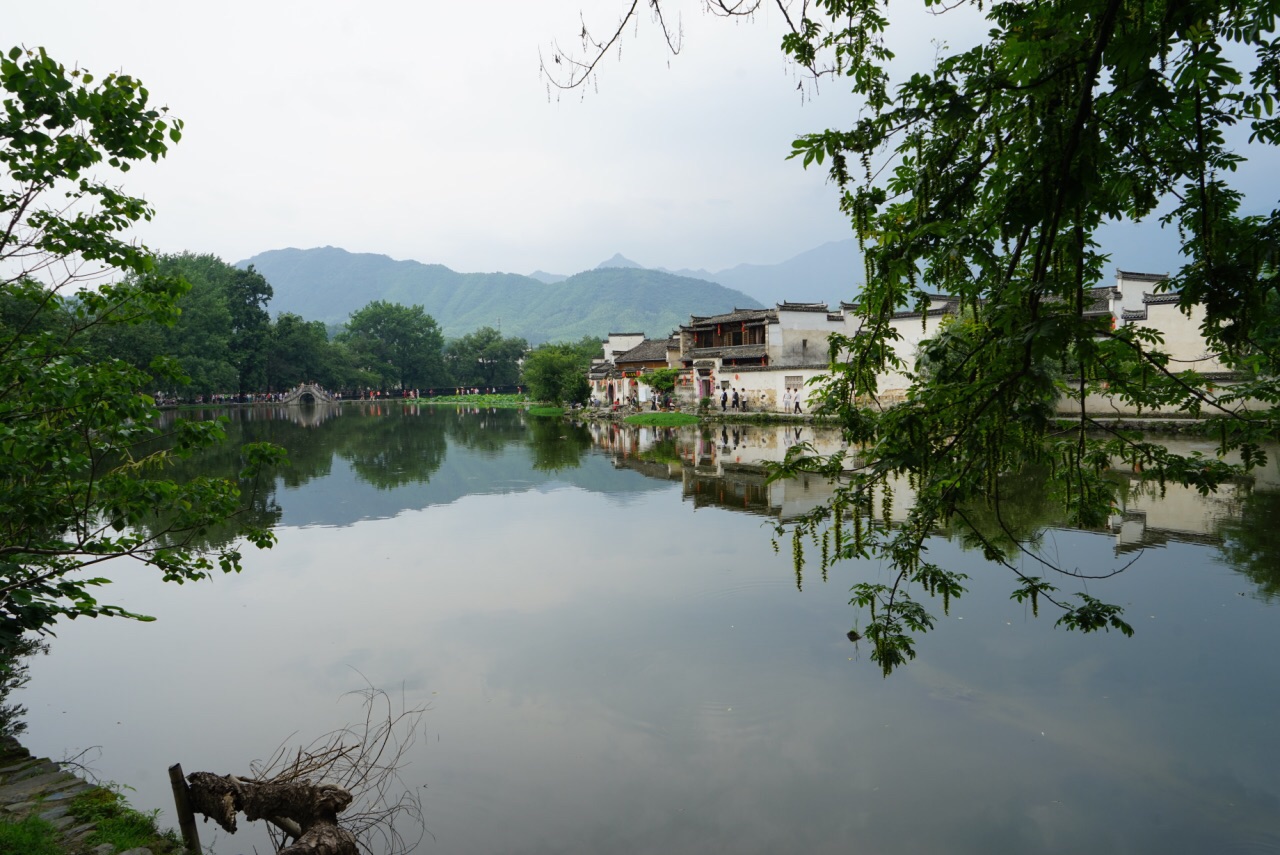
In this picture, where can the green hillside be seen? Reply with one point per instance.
(328, 284)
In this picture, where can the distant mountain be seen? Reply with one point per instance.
(548, 278)
(329, 283)
(830, 273)
(619, 260)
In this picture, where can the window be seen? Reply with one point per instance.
(793, 381)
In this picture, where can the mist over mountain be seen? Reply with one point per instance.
(328, 284)
(829, 273)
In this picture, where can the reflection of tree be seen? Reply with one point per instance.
(259, 507)
(1251, 543)
(666, 449)
(1019, 519)
(485, 429)
(395, 448)
(557, 444)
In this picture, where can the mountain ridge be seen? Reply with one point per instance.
(329, 283)
(827, 273)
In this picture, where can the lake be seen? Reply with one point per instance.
(615, 659)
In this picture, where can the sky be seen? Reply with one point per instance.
(424, 130)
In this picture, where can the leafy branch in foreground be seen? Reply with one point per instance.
(82, 460)
(987, 179)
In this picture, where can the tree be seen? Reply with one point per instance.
(557, 373)
(988, 177)
(485, 358)
(662, 380)
(299, 352)
(81, 458)
(248, 293)
(402, 345)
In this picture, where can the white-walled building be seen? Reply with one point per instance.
(770, 356)
(1140, 304)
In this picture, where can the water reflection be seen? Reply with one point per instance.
(726, 467)
(417, 456)
(557, 445)
(610, 670)
(372, 461)
(1251, 541)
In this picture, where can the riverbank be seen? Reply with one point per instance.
(46, 810)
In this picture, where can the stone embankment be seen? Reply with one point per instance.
(716, 415)
(35, 785)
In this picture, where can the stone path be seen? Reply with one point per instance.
(36, 785)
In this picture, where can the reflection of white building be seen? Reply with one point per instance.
(727, 467)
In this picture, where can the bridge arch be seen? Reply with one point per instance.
(305, 392)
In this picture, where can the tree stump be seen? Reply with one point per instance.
(308, 813)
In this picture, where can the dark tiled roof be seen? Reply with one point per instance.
(780, 366)
(734, 317)
(742, 351)
(746, 351)
(803, 307)
(947, 309)
(649, 350)
(1100, 300)
(1133, 315)
(625, 333)
(1143, 277)
(1160, 299)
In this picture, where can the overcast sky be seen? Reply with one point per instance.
(424, 130)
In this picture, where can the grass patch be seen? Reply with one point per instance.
(546, 411)
(31, 836)
(121, 825)
(478, 400)
(662, 419)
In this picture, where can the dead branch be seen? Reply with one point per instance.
(570, 69)
(300, 791)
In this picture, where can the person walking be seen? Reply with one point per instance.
(734, 401)
(797, 401)
(724, 399)
(786, 401)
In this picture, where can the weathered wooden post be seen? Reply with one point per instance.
(182, 803)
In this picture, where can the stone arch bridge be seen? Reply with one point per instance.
(308, 392)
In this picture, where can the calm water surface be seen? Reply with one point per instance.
(616, 660)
